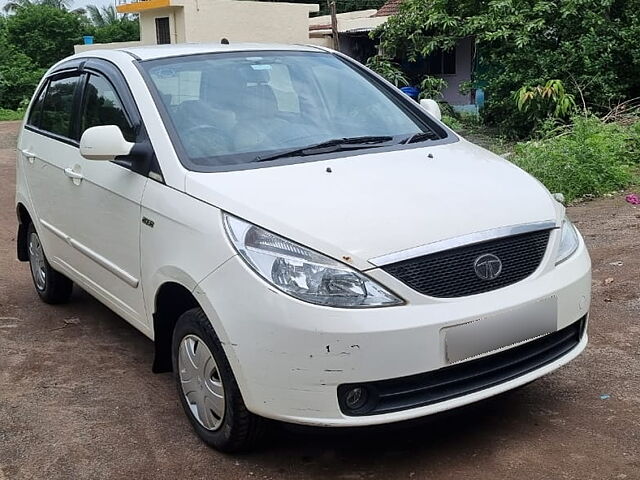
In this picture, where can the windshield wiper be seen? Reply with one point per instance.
(351, 143)
(420, 137)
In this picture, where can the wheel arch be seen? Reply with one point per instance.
(24, 219)
(172, 299)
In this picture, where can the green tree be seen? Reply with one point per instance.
(44, 33)
(109, 27)
(389, 70)
(124, 30)
(12, 6)
(18, 75)
(590, 45)
(102, 16)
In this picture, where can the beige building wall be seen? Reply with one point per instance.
(360, 20)
(180, 26)
(193, 21)
(321, 40)
(246, 21)
(326, 19)
(148, 24)
(363, 23)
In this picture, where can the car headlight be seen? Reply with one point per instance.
(568, 241)
(304, 273)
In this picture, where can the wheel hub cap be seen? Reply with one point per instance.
(201, 382)
(36, 259)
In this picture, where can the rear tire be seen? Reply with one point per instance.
(52, 287)
(208, 389)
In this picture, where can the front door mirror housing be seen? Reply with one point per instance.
(432, 107)
(105, 142)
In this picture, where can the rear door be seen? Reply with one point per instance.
(48, 146)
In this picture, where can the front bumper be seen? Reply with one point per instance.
(290, 357)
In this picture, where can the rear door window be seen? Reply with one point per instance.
(57, 107)
(36, 109)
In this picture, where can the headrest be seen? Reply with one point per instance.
(258, 101)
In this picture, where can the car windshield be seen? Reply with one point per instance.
(229, 109)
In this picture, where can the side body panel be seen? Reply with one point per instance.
(43, 161)
(104, 232)
(182, 241)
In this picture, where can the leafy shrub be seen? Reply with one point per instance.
(591, 157)
(9, 115)
(432, 87)
(545, 101)
(591, 45)
(465, 87)
(18, 76)
(122, 30)
(108, 26)
(388, 69)
(452, 122)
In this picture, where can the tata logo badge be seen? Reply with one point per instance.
(487, 266)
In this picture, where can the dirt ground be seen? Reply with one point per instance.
(78, 399)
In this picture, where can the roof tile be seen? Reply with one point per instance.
(392, 7)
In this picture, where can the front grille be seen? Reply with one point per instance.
(451, 273)
(386, 396)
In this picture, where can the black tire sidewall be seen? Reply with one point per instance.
(57, 287)
(196, 323)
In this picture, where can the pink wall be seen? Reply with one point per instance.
(464, 62)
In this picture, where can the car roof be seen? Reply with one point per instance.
(151, 52)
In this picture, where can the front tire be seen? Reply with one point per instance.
(52, 287)
(207, 387)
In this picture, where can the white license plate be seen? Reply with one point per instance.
(501, 330)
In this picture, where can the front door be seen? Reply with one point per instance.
(105, 199)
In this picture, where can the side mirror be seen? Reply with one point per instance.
(432, 107)
(104, 143)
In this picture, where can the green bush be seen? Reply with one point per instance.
(591, 157)
(122, 30)
(10, 115)
(432, 87)
(388, 69)
(591, 45)
(452, 122)
(18, 76)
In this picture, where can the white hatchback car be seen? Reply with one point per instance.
(301, 241)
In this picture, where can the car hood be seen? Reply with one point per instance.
(359, 207)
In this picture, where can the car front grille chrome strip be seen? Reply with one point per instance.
(462, 241)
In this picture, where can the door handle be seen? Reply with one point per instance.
(29, 156)
(73, 175)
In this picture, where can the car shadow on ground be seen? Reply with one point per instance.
(437, 444)
(427, 434)
(468, 430)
